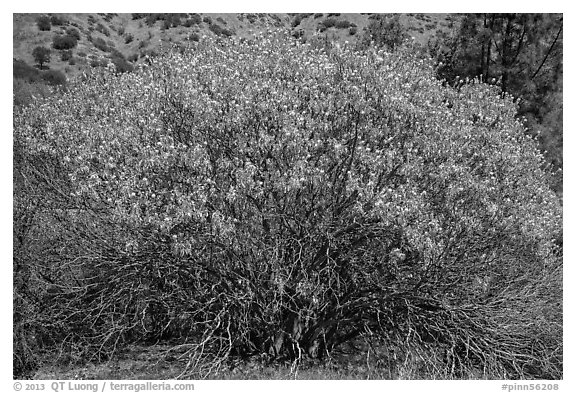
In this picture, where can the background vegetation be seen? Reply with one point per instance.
(289, 200)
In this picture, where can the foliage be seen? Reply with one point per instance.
(299, 18)
(54, 77)
(329, 22)
(168, 19)
(129, 38)
(43, 23)
(98, 62)
(56, 20)
(101, 44)
(195, 19)
(121, 65)
(41, 55)
(73, 33)
(25, 90)
(343, 24)
(220, 31)
(103, 29)
(62, 42)
(384, 31)
(522, 53)
(65, 55)
(267, 197)
(21, 70)
(30, 82)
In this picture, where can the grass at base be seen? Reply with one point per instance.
(151, 363)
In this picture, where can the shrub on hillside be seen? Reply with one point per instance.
(101, 44)
(121, 65)
(108, 16)
(299, 18)
(129, 38)
(22, 70)
(151, 19)
(279, 199)
(63, 42)
(65, 55)
(329, 22)
(73, 33)
(220, 31)
(384, 31)
(343, 24)
(43, 23)
(56, 20)
(103, 29)
(54, 77)
(196, 19)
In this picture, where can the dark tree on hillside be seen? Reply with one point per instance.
(43, 23)
(41, 55)
(63, 42)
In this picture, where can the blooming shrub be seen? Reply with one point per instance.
(267, 197)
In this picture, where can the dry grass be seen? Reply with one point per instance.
(152, 363)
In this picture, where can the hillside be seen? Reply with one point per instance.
(132, 36)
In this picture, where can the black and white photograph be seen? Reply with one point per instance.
(223, 196)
